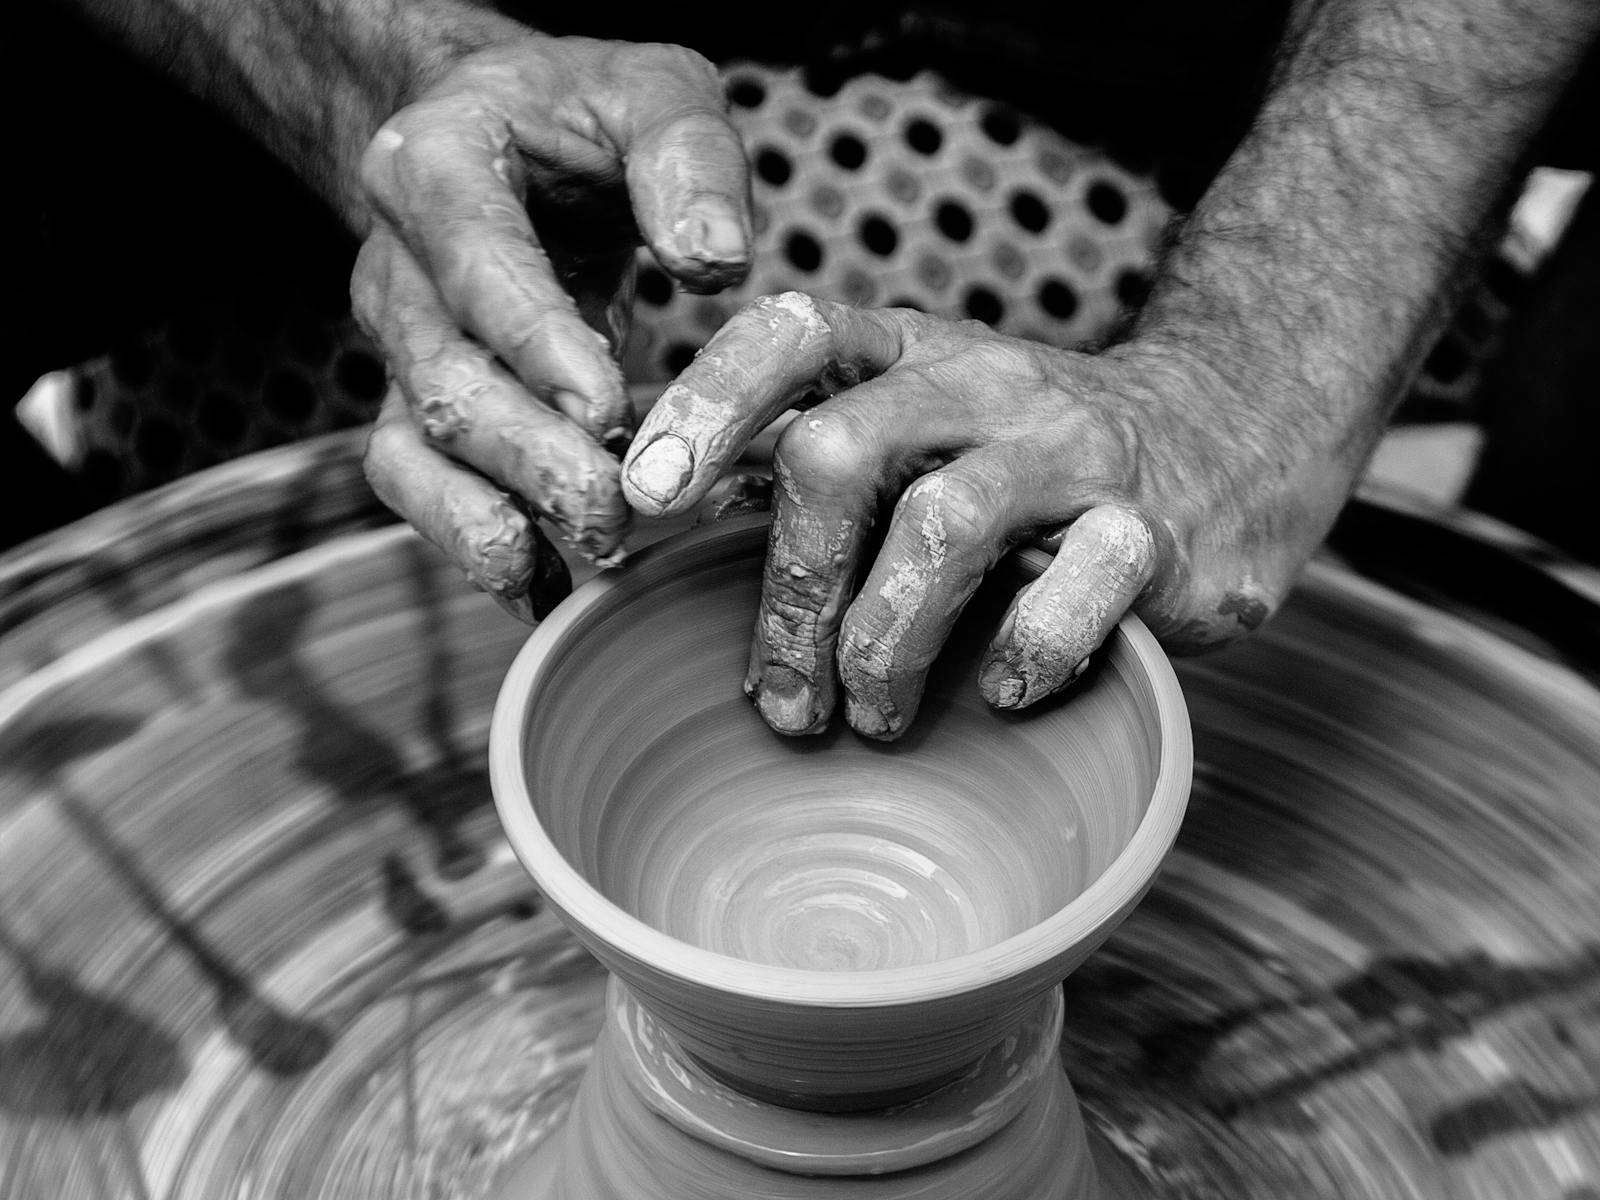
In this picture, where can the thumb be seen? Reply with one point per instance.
(690, 184)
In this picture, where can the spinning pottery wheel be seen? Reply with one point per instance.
(260, 934)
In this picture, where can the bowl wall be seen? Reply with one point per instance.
(812, 874)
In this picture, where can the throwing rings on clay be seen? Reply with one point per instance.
(831, 918)
(823, 925)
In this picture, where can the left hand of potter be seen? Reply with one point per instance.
(1182, 498)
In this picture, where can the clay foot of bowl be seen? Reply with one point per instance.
(650, 1122)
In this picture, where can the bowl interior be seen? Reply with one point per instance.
(658, 782)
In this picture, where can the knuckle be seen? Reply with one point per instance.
(442, 391)
(978, 350)
(783, 307)
(1124, 545)
(950, 508)
(663, 79)
(382, 160)
(403, 171)
(826, 450)
(439, 417)
(1107, 446)
(682, 65)
(500, 557)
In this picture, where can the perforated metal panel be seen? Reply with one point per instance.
(874, 192)
(915, 194)
(207, 387)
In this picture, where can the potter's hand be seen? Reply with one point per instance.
(1175, 502)
(1198, 463)
(497, 277)
(500, 179)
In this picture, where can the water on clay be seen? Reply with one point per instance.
(260, 936)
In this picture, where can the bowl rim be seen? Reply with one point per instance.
(599, 919)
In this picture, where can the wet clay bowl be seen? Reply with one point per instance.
(829, 921)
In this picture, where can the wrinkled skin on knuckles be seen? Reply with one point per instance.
(938, 446)
(497, 277)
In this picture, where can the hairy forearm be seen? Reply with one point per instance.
(1328, 253)
(311, 79)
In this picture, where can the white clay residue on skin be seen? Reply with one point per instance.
(501, 559)
(786, 556)
(697, 419)
(798, 307)
(836, 555)
(801, 335)
(459, 384)
(796, 642)
(911, 580)
(596, 521)
(908, 584)
(659, 475)
(1098, 572)
(698, 411)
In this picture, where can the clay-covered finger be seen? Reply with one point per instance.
(1105, 559)
(494, 540)
(948, 530)
(689, 177)
(768, 355)
(829, 469)
(468, 406)
(451, 185)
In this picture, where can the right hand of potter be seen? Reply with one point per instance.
(1183, 495)
(507, 200)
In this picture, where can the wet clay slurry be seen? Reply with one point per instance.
(836, 960)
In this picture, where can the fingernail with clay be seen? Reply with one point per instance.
(787, 700)
(659, 472)
(869, 720)
(1001, 685)
(712, 233)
